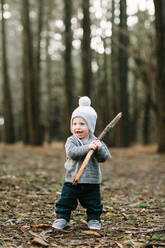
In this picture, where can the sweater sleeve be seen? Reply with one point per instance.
(102, 154)
(75, 151)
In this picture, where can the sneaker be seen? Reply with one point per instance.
(59, 224)
(94, 225)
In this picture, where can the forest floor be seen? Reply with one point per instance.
(133, 194)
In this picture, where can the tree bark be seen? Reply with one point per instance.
(49, 112)
(38, 71)
(86, 50)
(114, 60)
(115, 76)
(8, 135)
(160, 85)
(68, 77)
(123, 67)
(103, 98)
(29, 78)
(148, 99)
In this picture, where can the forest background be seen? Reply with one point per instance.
(54, 51)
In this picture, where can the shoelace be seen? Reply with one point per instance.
(95, 221)
(58, 220)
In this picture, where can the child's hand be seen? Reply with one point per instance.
(92, 146)
(96, 144)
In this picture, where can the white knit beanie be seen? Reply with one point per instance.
(86, 112)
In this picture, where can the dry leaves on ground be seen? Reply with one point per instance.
(133, 191)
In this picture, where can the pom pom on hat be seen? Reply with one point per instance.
(87, 112)
(84, 101)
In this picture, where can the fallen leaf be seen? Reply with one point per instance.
(119, 245)
(43, 226)
(109, 214)
(39, 241)
(125, 216)
(83, 221)
(92, 233)
(139, 244)
(34, 234)
(24, 228)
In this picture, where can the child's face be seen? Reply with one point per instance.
(80, 128)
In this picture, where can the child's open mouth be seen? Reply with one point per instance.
(78, 132)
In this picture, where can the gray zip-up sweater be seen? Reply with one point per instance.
(76, 150)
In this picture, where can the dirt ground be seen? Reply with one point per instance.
(133, 194)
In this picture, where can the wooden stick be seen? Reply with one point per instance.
(89, 154)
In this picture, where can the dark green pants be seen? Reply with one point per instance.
(87, 194)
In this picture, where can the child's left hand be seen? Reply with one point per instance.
(97, 144)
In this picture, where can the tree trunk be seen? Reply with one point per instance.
(115, 77)
(114, 60)
(25, 123)
(49, 106)
(148, 100)
(104, 99)
(160, 85)
(8, 136)
(123, 67)
(86, 50)
(69, 78)
(29, 80)
(135, 113)
(38, 70)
